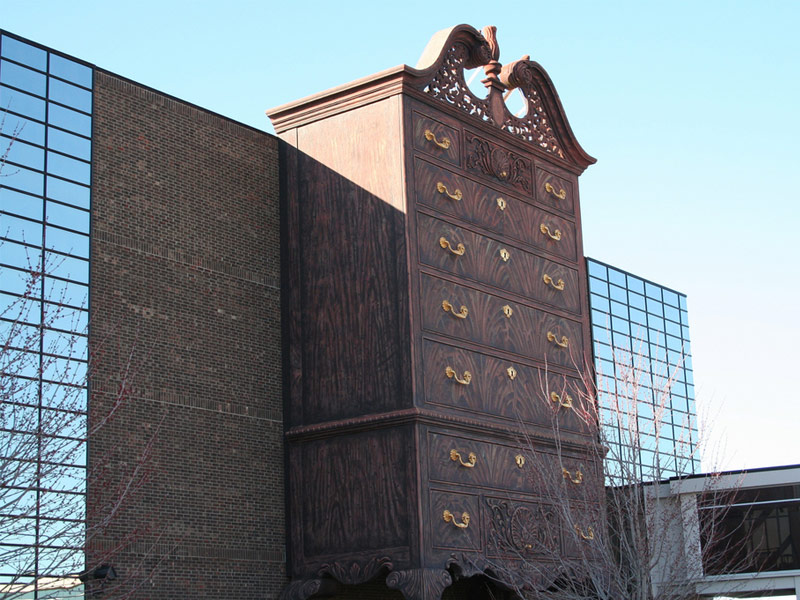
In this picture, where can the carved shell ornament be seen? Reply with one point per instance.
(544, 124)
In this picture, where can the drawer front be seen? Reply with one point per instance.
(497, 164)
(468, 314)
(500, 388)
(455, 521)
(506, 215)
(453, 459)
(434, 138)
(487, 260)
(554, 190)
(517, 529)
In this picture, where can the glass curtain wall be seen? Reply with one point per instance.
(45, 202)
(643, 361)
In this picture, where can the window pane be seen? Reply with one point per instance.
(21, 128)
(67, 241)
(64, 370)
(67, 118)
(64, 397)
(66, 191)
(66, 292)
(66, 216)
(20, 230)
(598, 287)
(22, 103)
(23, 78)
(635, 284)
(596, 270)
(21, 204)
(24, 53)
(69, 168)
(22, 153)
(68, 319)
(616, 277)
(652, 291)
(23, 179)
(22, 257)
(71, 70)
(69, 143)
(67, 267)
(66, 344)
(618, 294)
(69, 94)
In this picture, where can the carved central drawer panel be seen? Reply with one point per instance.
(468, 314)
(509, 216)
(487, 260)
(484, 384)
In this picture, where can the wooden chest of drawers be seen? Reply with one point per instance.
(436, 325)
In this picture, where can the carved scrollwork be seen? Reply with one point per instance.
(494, 161)
(356, 572)
(419, 584)
(448, 83)
(535, 125)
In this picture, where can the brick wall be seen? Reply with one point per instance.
(185, 289)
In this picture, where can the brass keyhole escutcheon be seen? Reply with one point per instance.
(512, 373)
(520, 460)
(501, 203)
(504, 254)
(507, 311)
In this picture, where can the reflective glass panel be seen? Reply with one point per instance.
(23, 179)
(24, 53)
(67, 191)
(69, 143)
(20, 128)
(22, 153)
(71, 95)
(21, 204)
(23, 78)
(67, 216)
(69, 119)
(70, 70)
(69, 168)
(22, 103)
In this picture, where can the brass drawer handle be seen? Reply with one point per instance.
(442, 189)
(461, 314)
(512, 373)
(508, 311)
(504, 254)
(560, 194)
(451, 374)
(566, 401)
(549, 281)
(556, 235)
(589, 535)
(459, 250)
(501, 204)
(577, 479)
(431, 137)
(563, 342)
(471, 459)
(450, 518)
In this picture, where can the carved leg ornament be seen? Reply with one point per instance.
(419, 584)
(306, 588)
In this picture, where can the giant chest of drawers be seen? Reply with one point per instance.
(436, 326)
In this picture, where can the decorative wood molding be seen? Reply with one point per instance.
(305, 588)
(355, 572)
(419, 584)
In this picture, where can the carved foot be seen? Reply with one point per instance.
(306, 588)
(419, 584)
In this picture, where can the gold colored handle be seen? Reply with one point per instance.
(442, 189)
(501, 204)
(577, 479)
(556, 235)
(461, 314)
(560, 194)
(512, 373)
(459, 250)
(451, 374)
(450, 518)
(504, 254)
(444, 144)
(566, 401)
(589, 535)
(549, 281)
(563, 342)
(520, 460)
(508, 311)
(471, 459)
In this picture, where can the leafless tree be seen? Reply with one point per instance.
(47, 519)
(608, 528)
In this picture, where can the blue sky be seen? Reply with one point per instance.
(691, 109)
